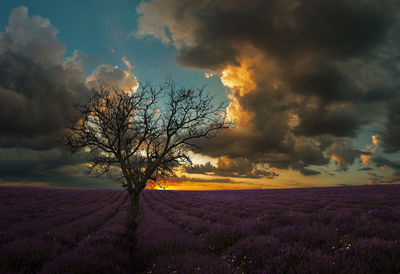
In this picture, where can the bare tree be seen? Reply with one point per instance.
(143, 135)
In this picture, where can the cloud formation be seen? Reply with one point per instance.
(382, 161)
(303, 83)
(52, 167)
(37, 91)
(391, 133)
(111, 76)
(226, 167)
(384, 165)
(39, 87)
(31, 37)
(366, 154)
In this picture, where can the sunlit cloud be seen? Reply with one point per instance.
(367, 153)
(209, 74)
(127, 63)
(109, 76)
(238, 78)
(293, 120)
(339, 160)
(383, 168)
(297, 97)
(365, 158)
(227, 167)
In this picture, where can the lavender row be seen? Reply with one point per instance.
(36, 228)
(26, 208)
(163, 247)
(29, 254)
(329, 230)
(105, 250)
(350, 216)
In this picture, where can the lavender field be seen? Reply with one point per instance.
(64, 231)
(316, 230)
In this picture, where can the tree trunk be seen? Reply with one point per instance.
(134, 204)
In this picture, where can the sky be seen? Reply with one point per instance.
(313, 86)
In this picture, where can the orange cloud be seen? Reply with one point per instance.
(365, 158)
(392, 178)
(337, 159)
(127, 63)
(369, 150)
(237, 114)
(293, 120)
(208, 74)
(383, 168)
(226, 163)
(341, 161)
(375, 139)
(238, 78)
(240, 81)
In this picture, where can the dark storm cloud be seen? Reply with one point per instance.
(337, 121)
(382, 161)
(341, 150)
(322, 80)
(365, 169)
(309, 172)
(53, 167)
(38, 89)
(322, 70)
(37, 92)
(295, 153)
(37, 102)
(286, 29)
(385, 163)
(380, 179)
(391, 133)
(363, 152)
(33, 165)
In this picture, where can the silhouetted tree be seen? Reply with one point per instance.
(144, 134)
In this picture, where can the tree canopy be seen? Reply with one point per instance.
(145, 133)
